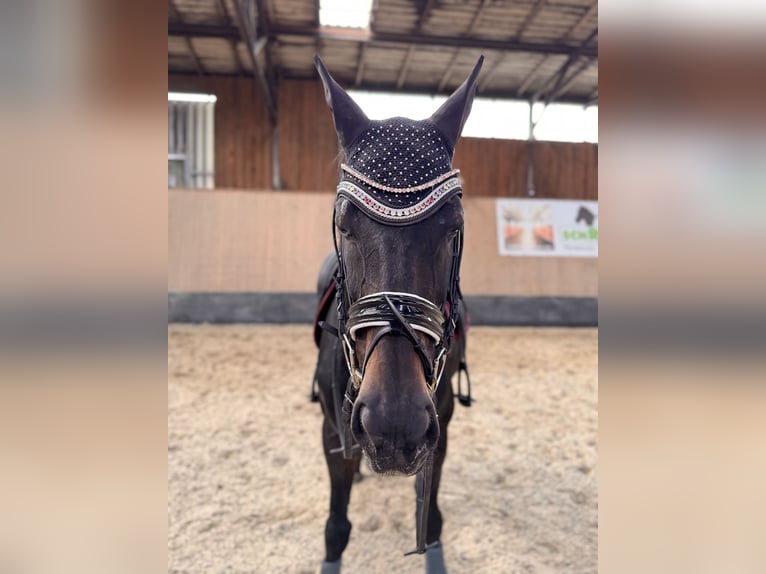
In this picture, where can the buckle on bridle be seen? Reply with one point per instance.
(350, 354)
(440, 362)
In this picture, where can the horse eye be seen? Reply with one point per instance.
(342, 217)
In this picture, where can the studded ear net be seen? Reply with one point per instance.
(399, 171)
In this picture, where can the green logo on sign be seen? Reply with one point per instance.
(590, 234)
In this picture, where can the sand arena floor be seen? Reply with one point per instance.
(247, 484)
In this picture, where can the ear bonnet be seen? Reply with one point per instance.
(399, 171)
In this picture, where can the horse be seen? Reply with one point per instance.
(395, 336)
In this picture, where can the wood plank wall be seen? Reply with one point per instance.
(240, 241)
(498, 168)
(308, 148)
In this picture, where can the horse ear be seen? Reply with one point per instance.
(350, 120)
(453, 113)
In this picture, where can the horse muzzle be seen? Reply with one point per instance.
(397, 449)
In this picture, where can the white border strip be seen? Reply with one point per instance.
(391, 213)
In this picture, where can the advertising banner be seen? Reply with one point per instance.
(547, 227)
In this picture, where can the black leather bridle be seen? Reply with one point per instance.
(395, 314)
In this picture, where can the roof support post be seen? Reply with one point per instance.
(531, 153)
(276, 176)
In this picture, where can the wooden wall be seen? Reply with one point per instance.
(566, 170)
(308, 147)
(234, 241)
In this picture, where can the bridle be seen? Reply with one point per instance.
(398, 314)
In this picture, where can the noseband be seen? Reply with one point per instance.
(398, 314)
(401, 314)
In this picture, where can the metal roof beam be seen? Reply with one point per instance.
(429, 5)
(531, 76)
(189, 46)
(360, 64)
(531, 15)
(558, 77)
(195, 57)
(248, 37)
(468, 32)
(263, 17)
(484, 82)
(223, 12)
(496, 94)
(582, 20)
(448, 71)
(477, 17)
(352, 35)
(405, 65)
(592, 98)
(263, 27)
(339, 34)
(566, 84)
(203, 31)
(421, 21)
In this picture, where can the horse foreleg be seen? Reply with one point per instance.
(337, 528)
(434, 554)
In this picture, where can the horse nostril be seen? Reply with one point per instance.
(370, 423)
(357, 424)
(421, 424)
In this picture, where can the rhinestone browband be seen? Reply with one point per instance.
(372, 183)
(399, 215)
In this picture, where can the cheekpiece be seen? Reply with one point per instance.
(399, 171)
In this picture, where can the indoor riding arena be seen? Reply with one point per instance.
(253, 167)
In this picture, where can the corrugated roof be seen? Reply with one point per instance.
(534, 49)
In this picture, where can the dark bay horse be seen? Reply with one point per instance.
(394, 329)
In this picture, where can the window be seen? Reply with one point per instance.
(191, 150)
(345, 13)
(492, 118)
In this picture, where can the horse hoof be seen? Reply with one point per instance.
(435, 560)
(330, 567)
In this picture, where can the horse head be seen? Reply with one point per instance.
(398, 227)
